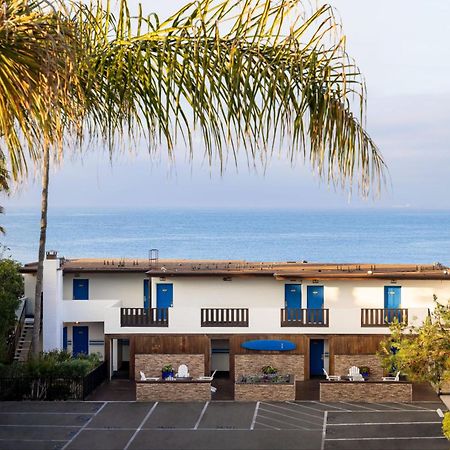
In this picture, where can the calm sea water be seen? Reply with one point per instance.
(262, 235)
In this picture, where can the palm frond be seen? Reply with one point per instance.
(250, 75)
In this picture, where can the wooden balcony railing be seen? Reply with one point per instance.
(382, 317)
(144, 317)
(224, 317)
(303, 317)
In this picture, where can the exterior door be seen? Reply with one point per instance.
(146, 294)
(316, 348)
(80, 289)
(392, 301)
(315, 302)
(65, 338)
(293, 301)
(164, 298)
(80, 340)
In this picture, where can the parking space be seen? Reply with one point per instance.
(218, 425)
(391, 426)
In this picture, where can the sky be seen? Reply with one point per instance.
(401, 48)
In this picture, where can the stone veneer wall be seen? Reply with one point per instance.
(251, 364)
(343, 362)
(264, 392)
(173, 392)
(151, 364)
(335, 391)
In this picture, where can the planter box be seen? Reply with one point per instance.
(265, 391)
(365, 391)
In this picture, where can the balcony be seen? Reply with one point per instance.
(382, 317)
(224, 317)
(302, 317)
(144, 317)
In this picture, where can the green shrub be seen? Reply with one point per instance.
(446, 425)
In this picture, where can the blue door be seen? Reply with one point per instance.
(164, 298)
(65, 338)
(315, 301)
(316, 347)
(80, 289)
(393, 300)
(293, 301)
(80, 340)
(146, 294)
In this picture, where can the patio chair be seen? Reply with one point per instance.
(331, 377)
(354, 374)
(183, 371)
(144, 378)
(205, 378)
(396, 378)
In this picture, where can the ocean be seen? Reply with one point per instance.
(374, 236)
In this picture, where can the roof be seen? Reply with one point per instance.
(228, 268)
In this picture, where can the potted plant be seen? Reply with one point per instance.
(269, 371)
(167, 371)
(364, 371)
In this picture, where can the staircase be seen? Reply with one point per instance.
(24, 344)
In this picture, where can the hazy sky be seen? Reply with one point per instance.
(401, 47)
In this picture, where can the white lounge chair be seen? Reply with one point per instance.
(205, 378)
(183, 371)
(144, 378)
(354, 374)
(331, 377)
(396, 378)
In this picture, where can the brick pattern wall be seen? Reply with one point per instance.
(286, 364)
(264, 392)
(365, 392)
(151, 364)
(173, 392)
(343, 362)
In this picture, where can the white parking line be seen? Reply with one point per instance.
(379, 423)
(48, 413)
(286, 415)
(140, 426)
(252, 426)
(324, 430)
(336, 407)
(301, 405)
(295, 427)
(358, 406)
(395, 408)
(409, 405)
(83, 427)
(38, 426)
(201, 416)
(293, 411)
(407, 438)
(268, 426)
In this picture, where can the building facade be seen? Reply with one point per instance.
(335, 314)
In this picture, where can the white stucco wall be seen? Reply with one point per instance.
(127, 287)
(96, 337)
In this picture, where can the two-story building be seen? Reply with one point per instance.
(335, 314)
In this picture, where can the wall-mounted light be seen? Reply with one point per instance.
(370, 272)
(315, 281)
(393, 281)
(162, 279)
(226, 278)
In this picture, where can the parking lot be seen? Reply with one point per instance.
(221, 425)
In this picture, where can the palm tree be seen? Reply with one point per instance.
(243, 75)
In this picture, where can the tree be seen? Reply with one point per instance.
(11, 289)
(423, 353)
(251, 75)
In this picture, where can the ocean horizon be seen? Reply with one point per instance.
(354, 235)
